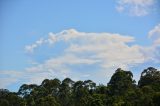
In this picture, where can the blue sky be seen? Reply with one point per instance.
(81, 39)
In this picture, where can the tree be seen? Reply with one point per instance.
(65, 92)
(120, 91)
(120, 82)
(52, 86)
(81, 93)
(8, 98)
(26, 89)
(47, 101)
(156, 99)
(101, 89)
(97, 100)
(4, 102)
(150, 77)
(90, 86)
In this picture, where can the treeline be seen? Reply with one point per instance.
(121, 90)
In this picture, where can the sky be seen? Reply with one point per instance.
(80, 39)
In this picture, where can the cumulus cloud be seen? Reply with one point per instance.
(135, 7)
(107, 51)
(72, 35)
(103, 46)
(88, 55)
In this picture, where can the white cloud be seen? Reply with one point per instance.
(5, 82)
(52, 38)
(105, 47)
(56, 67)
(107, 51)
(8, 77)
(154, 49)
(30, 48)
(155, 31)
(73, 35)
(135, 7)
(155, 34)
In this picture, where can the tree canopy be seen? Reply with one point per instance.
(121, 90)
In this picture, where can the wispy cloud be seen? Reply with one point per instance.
(135, 7)
(30, 48)
(155, 34)
(8, 77)
(52, 39)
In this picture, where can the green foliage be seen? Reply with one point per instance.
(65, 92)
(47, 101)
(4, 102)
(151, 77)
(120, 91)
(120, 83)
(10, 99)
(156, 99)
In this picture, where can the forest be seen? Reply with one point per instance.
(121, 90)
